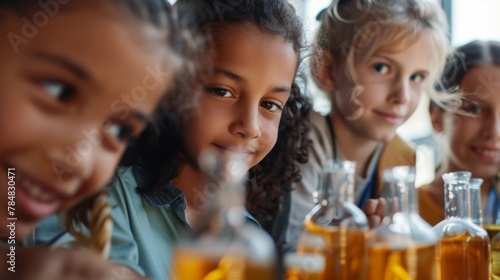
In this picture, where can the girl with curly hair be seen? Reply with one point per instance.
(249, 105)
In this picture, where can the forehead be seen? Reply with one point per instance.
(418, 54)
(483, 81)
(251, 47)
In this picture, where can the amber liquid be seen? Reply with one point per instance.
(493, 230)
(406, 263)
(345, 251)
(298, 274)
(195, 265)
(463, 257)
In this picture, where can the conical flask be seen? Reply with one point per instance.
(463, 251)
(231, 248)
(340, 223)
(403, 246)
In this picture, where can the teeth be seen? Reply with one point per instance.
(35, 191)
(489, 153)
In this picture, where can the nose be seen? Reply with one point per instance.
(491, 126)
(246, 122)
(401, 91)
(72, 155)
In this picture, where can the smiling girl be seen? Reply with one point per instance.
(250, 106)
(72, 95)
(471, 139)
(373, 59)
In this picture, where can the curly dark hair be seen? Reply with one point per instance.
(274, 173)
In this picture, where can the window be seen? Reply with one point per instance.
(473, 19)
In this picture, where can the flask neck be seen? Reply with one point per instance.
(457, 196)
(400, 185)
(337, 186)
(475, 198)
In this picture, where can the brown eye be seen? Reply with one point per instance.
(58, 90)
(271, 106)
(121, 132)
(219, 92)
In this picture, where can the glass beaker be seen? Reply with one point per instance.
(463, 251)
(403, 246)
(340, 222)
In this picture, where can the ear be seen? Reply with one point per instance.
(323, 71)
(437, 115)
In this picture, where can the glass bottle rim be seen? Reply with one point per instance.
(341, 165)
(456, 176)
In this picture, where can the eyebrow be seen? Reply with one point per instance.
(230, 75)
(65, 63)
(235, 77)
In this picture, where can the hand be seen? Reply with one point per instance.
(62, 264)
(375, 211)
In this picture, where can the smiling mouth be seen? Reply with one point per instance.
(389, 117)
(232, 150)
(35, 190)
(492, 154)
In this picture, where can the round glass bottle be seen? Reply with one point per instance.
(463, 251)
(340, 222)
(230, 248)
(404, 245)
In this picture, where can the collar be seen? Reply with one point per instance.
(168, 195)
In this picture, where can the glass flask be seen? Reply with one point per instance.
(341, 224)
(403, 246)
(463, 251)
(304, 266)
(230, 248)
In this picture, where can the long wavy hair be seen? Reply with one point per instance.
(352, 31)
(269, 178)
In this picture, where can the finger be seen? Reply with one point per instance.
(374, 220)
(370, 206)
(381, 207)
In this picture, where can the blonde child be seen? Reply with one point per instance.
(470, 140)
(78, 80)
(374, 59)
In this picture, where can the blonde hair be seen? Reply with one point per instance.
(353, 31)
(91, 224)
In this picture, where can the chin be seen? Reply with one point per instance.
(24, 229)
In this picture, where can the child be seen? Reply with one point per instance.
(374, 60)
(470, 141)
(249, 106)
(78, 81)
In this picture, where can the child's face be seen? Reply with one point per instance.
(392, 84)
(70, 99)
(473, 142)
(240, 109)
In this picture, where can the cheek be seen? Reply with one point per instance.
(19, 127)
(414, 100)
(104, 166)
(269, 137)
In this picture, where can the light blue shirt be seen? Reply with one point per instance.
(146, 227)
